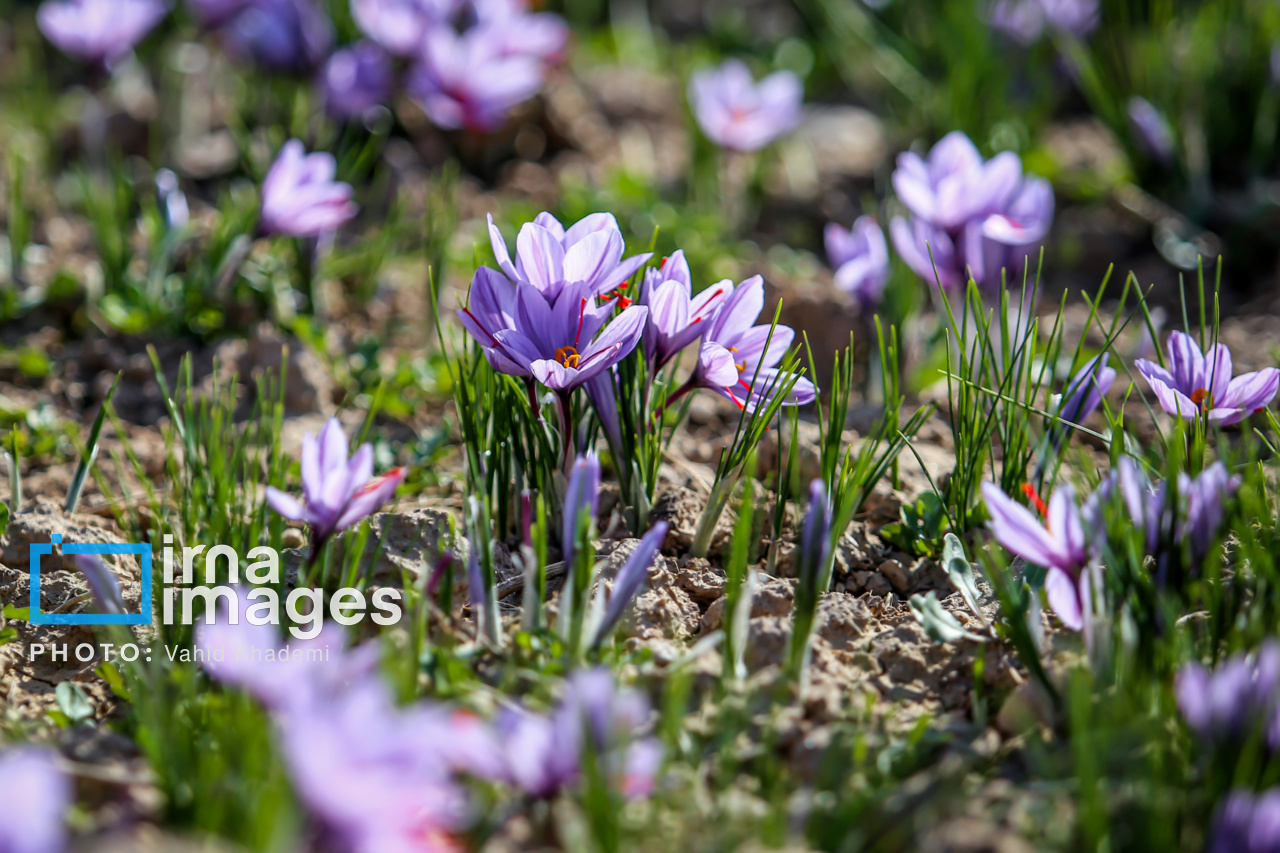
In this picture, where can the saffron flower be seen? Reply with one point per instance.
(103, 583)
(677, 318)
(339, 492)
(399, 26)
(469, 80)
(1152, 130)
(550, 256)
(1027, 20)
(542, 35)
(737, 359)
(35, 794)
(1200, 383)
(969, 217)
(1234, 701)
(1246, 823)
(1085, 390)
(1059, 544)
(355, 80)
(99, 31)
(300, 198)
(280, 36)
(566, 341)
(737, 113)
(581, 503)
(860, 257)
(544, 754)
(1196, 519)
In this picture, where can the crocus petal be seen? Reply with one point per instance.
(1253, 391)
(716, 365)
(500, 252)
(1186, 363)
(1174, 401)
(370, 497)
(1064, 597)
(629, 579)
(1017, 529)
(581, 499)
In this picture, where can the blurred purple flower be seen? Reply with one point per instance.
(215, 13)
(399, 26)
(1152, 130)
(1246, 823)
(676, 317)
(1199, 383)
(355, 80)
(1234, 701)
(815, 541)
(280, 36)
(300, 198)
(1202, 506)
(1027, 20)
(519, 32)
(103, 583)
(975, 217)
(550, 256)
(1206, 497)
(99, 31)
(339, 491)
(1060, 544)
(171, 201)
(627, 583)
(470, 80)
(544, 754)
(737, 113)
(564, 342)
(860, 257)
(34, 793)
(734, 361)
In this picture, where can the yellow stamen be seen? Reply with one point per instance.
(1202, 397)
(568, 356)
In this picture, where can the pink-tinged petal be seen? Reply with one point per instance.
(1151, 370)
(540, 259)
(594, 256)
(954, 154)
(500, 252)
(716, 365)
(593, 223)
(370, 497)
(1014, 527)
(1064, 597)
(1252, 391)
(360, 466)
(286, 505)
(1065, 525)
(1186, 363)
(550, 373)
(1173, 401)
(1218, 370)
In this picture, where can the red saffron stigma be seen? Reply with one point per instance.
(1030, 491)
(582, 312)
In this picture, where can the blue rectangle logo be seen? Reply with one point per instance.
(143, 553)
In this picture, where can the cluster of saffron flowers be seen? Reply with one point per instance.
(375, 776)
(558, 316)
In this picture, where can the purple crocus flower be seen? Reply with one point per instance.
(815, 540)
(566, 341)
(399, 26)
(1059, 545)
(99, 31)
(974, 217)
(469, 80)
(1206, 497)
(627, 583)
(34, 793)
(737, 113)
(339, 491)
(519, 32)
(860, 257)
(1152, 130)
(103, 583)
(1234, 701)
(1027, 20)
(1085, 390)
(215, 13)
(355, 80)
(280, 36)
(737, 359)
(677, 318)
(300, 198)
(491, 308)
(550, 256)
(1200, 383)
(581, 503)
(1246, 823)
(1200, 512)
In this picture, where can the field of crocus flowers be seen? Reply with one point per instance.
(450, 425)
